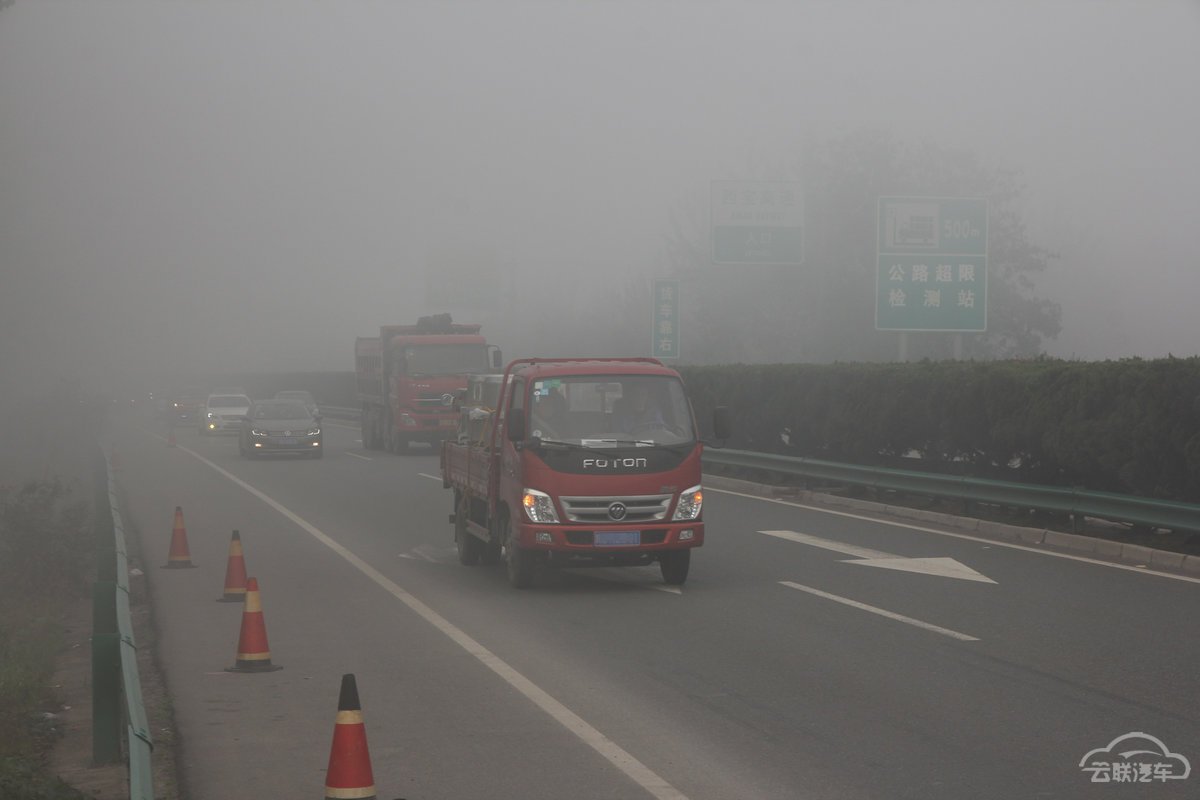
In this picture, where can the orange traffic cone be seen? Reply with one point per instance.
(253, 654)
(113, 460)
(349, 774)
(235, 572)
(170, 437)
(179, 557)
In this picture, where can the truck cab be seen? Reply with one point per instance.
(588, 462)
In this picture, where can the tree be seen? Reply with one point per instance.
(823, 310)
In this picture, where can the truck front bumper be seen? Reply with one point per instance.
(610, 541)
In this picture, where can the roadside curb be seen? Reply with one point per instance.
(1141, 555)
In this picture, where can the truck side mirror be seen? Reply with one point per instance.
(722, 423)
(497, 358)
(515, 424)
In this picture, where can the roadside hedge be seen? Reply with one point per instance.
(1129, 426)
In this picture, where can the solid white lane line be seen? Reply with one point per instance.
(356, 455)
(962, 637)
(968, 537)
(638, 772)
(437, 478)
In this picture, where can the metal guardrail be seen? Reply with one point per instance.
(114, 653)
(1076, 502)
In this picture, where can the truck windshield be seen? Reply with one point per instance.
(611, 410)
(446, 359)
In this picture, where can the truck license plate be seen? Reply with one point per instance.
(617, 538)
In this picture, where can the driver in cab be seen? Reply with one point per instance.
(549, 417)
(637, 410)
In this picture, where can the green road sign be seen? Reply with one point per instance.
(919, 293)
(664, 336)
(757, 222)
(932, 264)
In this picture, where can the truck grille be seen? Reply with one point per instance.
(639, 508)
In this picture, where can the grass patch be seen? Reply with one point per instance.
(45, 563)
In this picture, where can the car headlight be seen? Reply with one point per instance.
(538, 506)
(689, 504)
(211, 415)
(257, 432)
(314, 432)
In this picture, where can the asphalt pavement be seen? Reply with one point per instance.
(811, 654)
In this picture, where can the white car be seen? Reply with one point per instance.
(223, 413)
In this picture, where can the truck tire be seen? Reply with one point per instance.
(399, 444)
(674, 565)
(520, 564)
(466, 543)
(490, 553)
(364, 426)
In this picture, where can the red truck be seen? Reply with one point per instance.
(587, 462)
(409, 376)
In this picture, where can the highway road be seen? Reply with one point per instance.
(811, 654)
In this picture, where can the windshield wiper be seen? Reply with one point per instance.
(642, 443)
(559, 443)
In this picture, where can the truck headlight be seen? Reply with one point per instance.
(689, 504)
(538, 506)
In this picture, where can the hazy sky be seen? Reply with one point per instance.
(249, 185)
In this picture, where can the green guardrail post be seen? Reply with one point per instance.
(106, 675)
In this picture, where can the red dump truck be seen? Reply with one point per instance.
(583, 462)
(409, 376)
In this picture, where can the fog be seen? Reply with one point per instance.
(198, 187)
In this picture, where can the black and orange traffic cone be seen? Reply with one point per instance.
(179, 557)
(235, 572)
(253, 654)
(349, 774)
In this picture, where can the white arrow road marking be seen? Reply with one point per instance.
(962, 637)
(944, 567)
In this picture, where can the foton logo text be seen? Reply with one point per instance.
(614, 463)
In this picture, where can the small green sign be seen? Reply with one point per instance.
(664, 336)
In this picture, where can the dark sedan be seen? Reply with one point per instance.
(280, 426)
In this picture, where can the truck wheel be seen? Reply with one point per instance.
(364, 426)
(674, 565)
(399, 444)
(489, 553)
(520, 564)
(468, 546)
